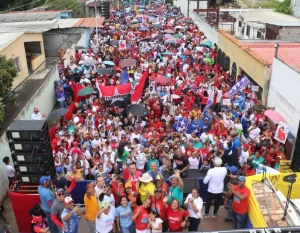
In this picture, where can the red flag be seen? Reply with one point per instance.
(116, 95)
(136, 95)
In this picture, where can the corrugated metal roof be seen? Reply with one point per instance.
(37, 26)
(285, 24)
(7, 38)
(287, 52)
(89, 22)
(26, 17)
(263, 15)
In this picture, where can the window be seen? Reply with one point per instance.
(18, 64)
(248, 31)
(259, 34)
(240, 24)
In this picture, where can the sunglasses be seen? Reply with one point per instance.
(60, 194)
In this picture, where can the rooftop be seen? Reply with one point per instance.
(26, 16)
(7, 38)
(264, 15)
(289, 53)
(285, 24)
(89, 22)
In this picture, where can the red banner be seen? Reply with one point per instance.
(136, 95)
(110, 91)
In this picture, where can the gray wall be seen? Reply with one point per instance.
(53, 38)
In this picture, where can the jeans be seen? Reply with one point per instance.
(218, 201)
(239, 220)
(194, 224)
(51, 224)
(129, 229)
(165, 226)
(229, 205)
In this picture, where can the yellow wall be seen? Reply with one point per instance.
(244, 61)
(17, 49)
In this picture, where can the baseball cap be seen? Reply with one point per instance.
(233, 169)
(158, 177)
(45, 179)
(68, 200)
(59, 191)
(242, 178)
(173, 176)
(128, 185)
(59, 170)
(214, 143)
(206, 119)
(218, 161)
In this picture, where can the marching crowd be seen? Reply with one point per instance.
(187, 126)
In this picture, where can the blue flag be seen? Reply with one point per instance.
(182, 124)
(240, 101)
(124, 77)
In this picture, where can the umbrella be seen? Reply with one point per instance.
(86, 91)
(109, 63)
(154, 35)
(169, 31)
(159, 37)
(134, 21)
(157, 25)
(128, 62)
(58, 113)
(171, 41)
(137, 110)
(80, 47)
(187, 52)
(168, 53)
(115, 42)
(178, 36)
(104, 71)
(274, 116)
(178, 27)
(144, 29)
(147, 38)
(188, 18)
(162, 79)
(206, 43)
(138, 32)
(189, 21)
(168, 36)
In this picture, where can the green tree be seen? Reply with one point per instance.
(284, 7)
(73, 5)
(8, 72)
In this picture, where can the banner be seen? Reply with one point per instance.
(182, 124)
(242, 83)
(282, 132)
(210, 101)
(116, 95)
(122, 44)
(139, 87)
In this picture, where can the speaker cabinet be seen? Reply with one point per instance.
(31, 158)
(105, 9)
(33, 147)
(28, 130)
(41, 168)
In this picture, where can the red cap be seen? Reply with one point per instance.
(37, 219)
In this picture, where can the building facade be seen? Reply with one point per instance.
(295, 4)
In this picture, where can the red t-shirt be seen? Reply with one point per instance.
(141, 222)
(133, 178)
(241, 206)
(175, 219)
(114, 191)
(158, 206)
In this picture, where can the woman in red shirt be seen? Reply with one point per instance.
(204, 99)
(141, 216)
(158, 207)
(177, 217)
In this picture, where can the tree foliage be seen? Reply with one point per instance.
(73, 5)
(8, 72)
(284, 7)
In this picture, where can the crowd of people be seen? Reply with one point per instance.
(187, 126)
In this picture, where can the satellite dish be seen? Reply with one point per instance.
(290, 178)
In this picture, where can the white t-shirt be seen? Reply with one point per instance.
(37, 116)
(105, 223)
(198, 203)
(140, 161)
(156, 225)
(10, 171)
(194, 162)
(98, 191)
(253, 134)
(215, 179)
(243, 158)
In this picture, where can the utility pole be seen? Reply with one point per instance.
(96, 23)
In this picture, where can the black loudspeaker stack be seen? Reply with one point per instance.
(105, 9)
(30, 145)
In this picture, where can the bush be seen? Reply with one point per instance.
(284, 7)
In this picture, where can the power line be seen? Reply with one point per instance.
(19, 6)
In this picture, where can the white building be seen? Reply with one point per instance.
(251, 25)
(295, 4)
(284, 92)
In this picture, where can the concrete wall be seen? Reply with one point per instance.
(53, 39)
(210, 32)
(244, 61)
(296, 8)
(183, 4)
(242, 34)
(284, 93)
(17, 49)
(44, 99)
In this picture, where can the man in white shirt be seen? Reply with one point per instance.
(37, 115)
(10, 171)
(215, 180)
(244, 155)
(253, 132)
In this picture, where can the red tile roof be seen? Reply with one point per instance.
(88, 22)
(289, 53)
(264, 53)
